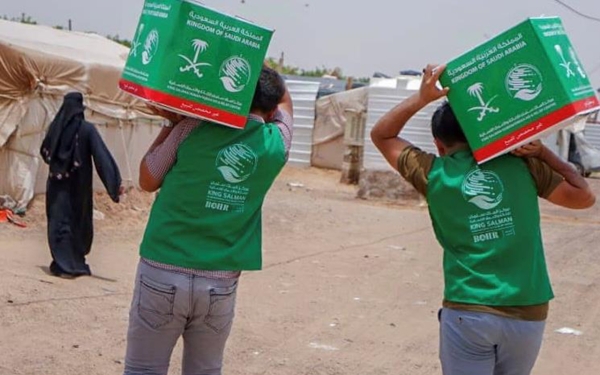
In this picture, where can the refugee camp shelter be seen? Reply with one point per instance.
(321, 106)
(305, 91)
(38, 66)
(380, 96)
(331, 126)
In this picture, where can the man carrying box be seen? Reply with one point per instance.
(204, 229)
(486, 218)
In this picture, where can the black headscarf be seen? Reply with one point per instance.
(60, 148)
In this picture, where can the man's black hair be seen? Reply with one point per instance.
(445, 126)
(269, 91)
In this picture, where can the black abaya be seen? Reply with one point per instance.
(69, 203)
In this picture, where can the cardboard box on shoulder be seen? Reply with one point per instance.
(518, 87)
(195, 60)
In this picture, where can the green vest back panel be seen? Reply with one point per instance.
(207, 215)
(487, 220)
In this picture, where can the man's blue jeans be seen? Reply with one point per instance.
(168, 305)
(473, 343)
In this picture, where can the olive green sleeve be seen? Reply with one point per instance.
(546, 180)
(414, 166)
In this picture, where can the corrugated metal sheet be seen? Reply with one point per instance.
(326, 85)
(385, 94)
(304, 96)
(592, 134)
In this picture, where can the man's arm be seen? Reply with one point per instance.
(385, 132)
(284, 119)
(574, 192)
(286, 103)
(147, 181)
(161, 155)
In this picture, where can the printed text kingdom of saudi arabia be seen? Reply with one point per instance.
(487, 58)
(224, 30)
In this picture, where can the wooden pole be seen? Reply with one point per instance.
(281, 63)
(354, 134)
(349, 83)
(351, 165)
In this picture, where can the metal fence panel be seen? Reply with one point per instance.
(385, 94)
(592, 134)
(304, 96)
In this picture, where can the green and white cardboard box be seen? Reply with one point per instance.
(518, 87)
(197, 61)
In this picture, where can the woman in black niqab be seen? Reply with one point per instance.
(70, 146)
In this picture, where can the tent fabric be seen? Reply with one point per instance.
(38, 66)
(330, 124)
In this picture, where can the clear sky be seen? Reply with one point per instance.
(360, 36)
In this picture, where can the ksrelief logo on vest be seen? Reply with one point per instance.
(237, 163)
(483, 188)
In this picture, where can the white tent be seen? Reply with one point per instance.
(38, 66)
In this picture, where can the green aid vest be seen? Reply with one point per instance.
(207, 215)
(487, 219)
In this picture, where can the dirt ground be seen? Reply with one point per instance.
(349, 287)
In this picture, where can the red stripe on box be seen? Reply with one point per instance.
(184, 105)
(535, 128)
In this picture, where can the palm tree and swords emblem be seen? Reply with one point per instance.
(135, 44)
(484, 107)
(199, 47)
(565, 64)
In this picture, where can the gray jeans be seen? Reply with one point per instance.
(167, 305)
(473, 343)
